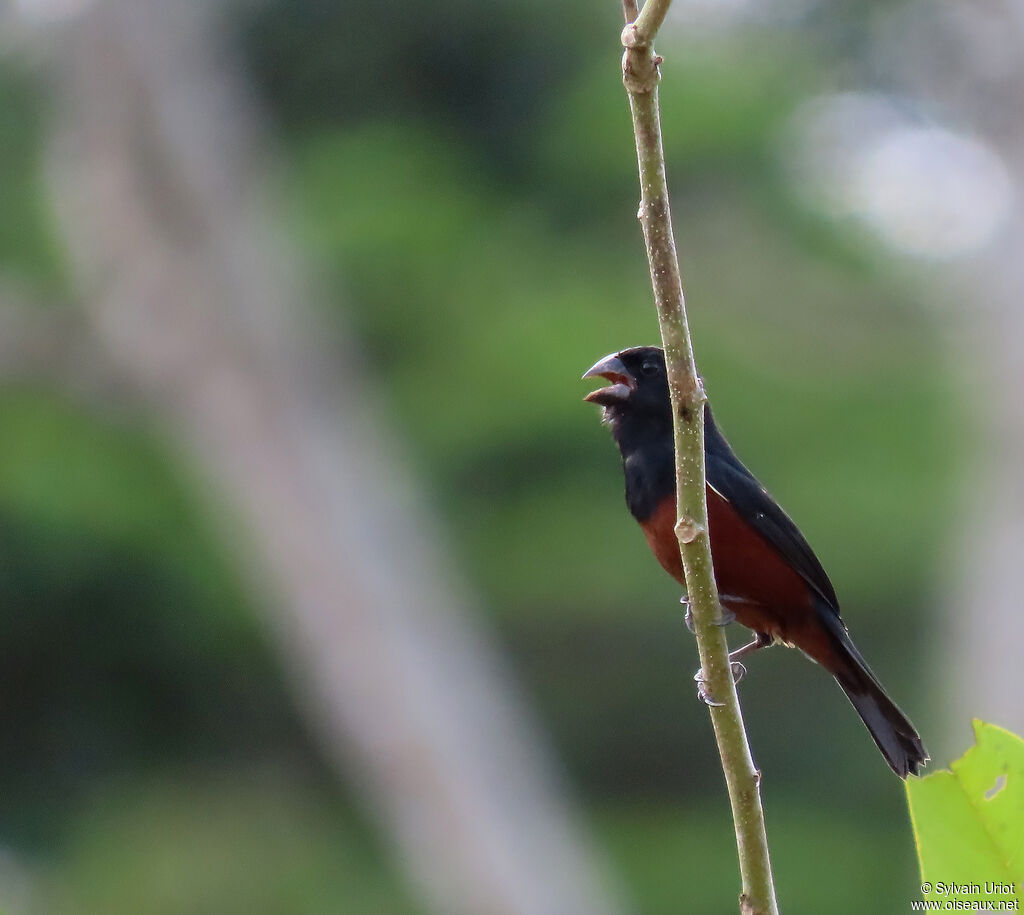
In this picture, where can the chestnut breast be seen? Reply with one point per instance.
(754, 581)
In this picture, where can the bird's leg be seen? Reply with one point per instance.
(739, 671)
(761, 640)
(725, 617)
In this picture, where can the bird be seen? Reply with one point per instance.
(768, 577)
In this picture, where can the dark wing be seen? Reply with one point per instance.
(733, 482)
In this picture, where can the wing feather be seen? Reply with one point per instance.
(732, 481)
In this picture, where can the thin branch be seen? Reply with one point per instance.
(640, 76)
(629, 9)
(645, 25)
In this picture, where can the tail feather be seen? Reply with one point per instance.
(892, 732)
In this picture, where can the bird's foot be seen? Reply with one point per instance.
(724, 618)
(704, 694)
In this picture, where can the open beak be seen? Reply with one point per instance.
(622, 382)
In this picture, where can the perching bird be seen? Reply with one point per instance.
(767, 574)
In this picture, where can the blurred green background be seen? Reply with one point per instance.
(466, 190)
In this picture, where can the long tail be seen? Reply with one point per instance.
(893, 734)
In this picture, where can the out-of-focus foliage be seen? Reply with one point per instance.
(126, 642)
(237, 841)
(28, 250)
(969, 820)
(484, 70)
(691, 850)
(466, 188)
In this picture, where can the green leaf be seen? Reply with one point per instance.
(969, 821)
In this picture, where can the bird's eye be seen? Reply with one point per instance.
(648, 369)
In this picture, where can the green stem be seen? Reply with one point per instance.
(640, 76)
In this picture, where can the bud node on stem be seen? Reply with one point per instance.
(688, 530)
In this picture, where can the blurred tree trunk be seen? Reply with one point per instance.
(987, 633)
(155, 169)
(966, 59)
(980, 668)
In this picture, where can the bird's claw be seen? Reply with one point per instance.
(703, 693)
(725, 617)
(705, 696)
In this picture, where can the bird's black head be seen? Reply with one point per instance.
(638, 389)
(639, 412)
